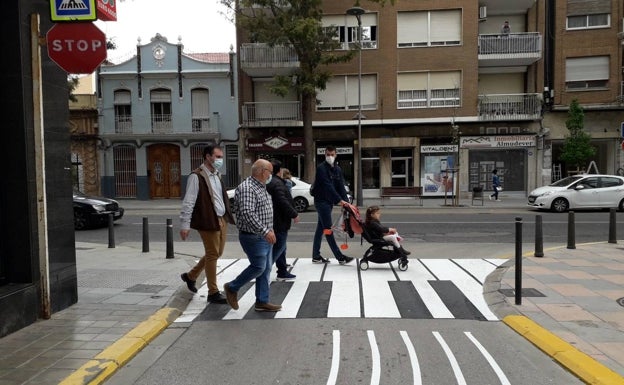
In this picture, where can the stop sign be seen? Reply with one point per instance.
(78, 48)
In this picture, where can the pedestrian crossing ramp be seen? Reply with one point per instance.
(429, 289)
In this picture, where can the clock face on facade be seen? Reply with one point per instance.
(159, 52)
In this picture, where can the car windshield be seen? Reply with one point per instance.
(567, 181)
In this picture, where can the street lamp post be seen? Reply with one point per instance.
(358, 12)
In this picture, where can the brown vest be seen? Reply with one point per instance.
(204, 217)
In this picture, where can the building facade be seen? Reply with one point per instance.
(157, 111)
(83, 123)
(447, 94)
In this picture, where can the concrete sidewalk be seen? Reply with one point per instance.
(127, 297)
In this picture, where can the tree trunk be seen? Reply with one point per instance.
(307, 104)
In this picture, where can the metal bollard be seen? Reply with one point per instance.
(571, 235)
(169, 239)
(612, 224)
(145, 235)
(111, 231)
(539, 237)
(518, 290)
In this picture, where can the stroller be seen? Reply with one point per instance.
(380, 251)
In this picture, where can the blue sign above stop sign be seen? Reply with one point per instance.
(78, 48)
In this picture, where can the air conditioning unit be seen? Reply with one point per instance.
(482, 12)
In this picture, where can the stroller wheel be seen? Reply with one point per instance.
(363, 265)
(402, 266)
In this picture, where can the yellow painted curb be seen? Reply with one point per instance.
(107, 362)
(580, 364)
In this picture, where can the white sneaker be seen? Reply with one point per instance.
(489, 196)
(498, 200)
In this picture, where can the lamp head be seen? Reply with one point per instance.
(356, 11)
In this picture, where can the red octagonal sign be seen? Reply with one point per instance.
(78, 48)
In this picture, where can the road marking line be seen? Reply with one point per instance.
(376, 374)
(333, 373)
(452, 360)
(499, 372)
(417, 377)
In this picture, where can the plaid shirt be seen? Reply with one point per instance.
(253, 207)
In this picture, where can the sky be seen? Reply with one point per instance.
(200, 23)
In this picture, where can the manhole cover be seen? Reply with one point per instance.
(527, 292)
(620, 301)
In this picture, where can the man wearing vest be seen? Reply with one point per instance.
(206, 208)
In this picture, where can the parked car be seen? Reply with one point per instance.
(300, 193)
(92, 211)
(584, 191)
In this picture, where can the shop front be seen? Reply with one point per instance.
(289, 151)
(438, 169)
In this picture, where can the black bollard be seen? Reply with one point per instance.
(145, 235)
(518, 290)
(571, 236)
(539, 237)
(111, 231)
(612, 236)
(169, 239)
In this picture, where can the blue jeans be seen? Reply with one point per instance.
(324, 211)
(258, 252)
(279, 252)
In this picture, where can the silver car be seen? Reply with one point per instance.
(584, 191)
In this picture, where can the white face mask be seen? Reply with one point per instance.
(268, 180)
(330, 159)
(218, 163)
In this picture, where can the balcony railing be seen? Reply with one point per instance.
(271, 113)
(510, 107)
(161, 124)
(203, 125)
(515, 48)
(260, 59)
(123, 124)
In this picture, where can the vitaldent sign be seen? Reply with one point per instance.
(497, 141)
(445, 148)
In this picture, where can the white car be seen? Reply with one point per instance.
(584, 191)
(300, 193)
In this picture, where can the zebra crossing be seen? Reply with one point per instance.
(428, 289)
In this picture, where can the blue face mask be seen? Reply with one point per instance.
(269, 180)
(218, 163)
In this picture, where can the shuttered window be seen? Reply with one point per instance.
(429, 89)
(341, 93)
(587, 72)
(429, 28)
(588, 7)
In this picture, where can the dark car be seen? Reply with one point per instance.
(93, 211)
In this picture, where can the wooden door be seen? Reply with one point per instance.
(163, 170)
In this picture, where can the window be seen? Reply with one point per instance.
(587, 73)
(341, 93)
(160, 100)
(123, 112)
(610, 182)
(200, 109)
(428, 89)
(345, 29)
(124, 160)
(429, 28)
(370, 169)
(602, 20)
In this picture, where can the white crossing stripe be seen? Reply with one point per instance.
(346, 301)
(378, 299)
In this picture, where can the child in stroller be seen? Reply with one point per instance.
(385, 246)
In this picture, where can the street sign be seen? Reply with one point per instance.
(78, 48)
(72, 10)
(107, 10)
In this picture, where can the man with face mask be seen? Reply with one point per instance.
(329, 190)
(206, 208)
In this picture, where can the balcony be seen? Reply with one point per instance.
(161, 124)
(514, 49)
(261, 60)
(123, 124)
(270, 114)
(510, 107)
(203, 125)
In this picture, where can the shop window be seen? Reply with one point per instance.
(402, 166)
(370, 169)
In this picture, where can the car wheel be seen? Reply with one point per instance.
(301, 204)
(621, 205)
(80, 220)
(560, 205)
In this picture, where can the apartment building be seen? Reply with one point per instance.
(157, 111)
(447, 93)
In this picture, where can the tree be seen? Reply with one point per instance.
(577, 148)
(295, 23)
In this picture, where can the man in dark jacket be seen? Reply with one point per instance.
(283, 213)
(329, 190)
(206, 208)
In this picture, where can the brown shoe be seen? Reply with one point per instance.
(267, 307)
(231, 297)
